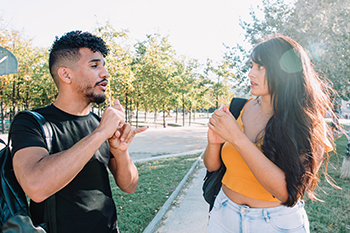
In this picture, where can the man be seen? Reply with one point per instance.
(84, 144)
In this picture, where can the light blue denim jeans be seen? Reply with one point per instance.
(227, 216)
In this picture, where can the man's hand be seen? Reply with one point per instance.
(124, 136)
(112, 120)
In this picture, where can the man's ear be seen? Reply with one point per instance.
(63, 74)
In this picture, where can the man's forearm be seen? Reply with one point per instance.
(124, 171)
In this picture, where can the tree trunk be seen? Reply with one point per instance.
(137, 114)
(26, 102)
(130, 110)
(126, 107)
(194, 114)
(177, 112)
(164, 123)
(183, 110)
(13, 101)
(155, 118)
(189, 117)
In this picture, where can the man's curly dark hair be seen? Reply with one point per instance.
(66, 49)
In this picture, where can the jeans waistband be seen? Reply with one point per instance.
(258, 212)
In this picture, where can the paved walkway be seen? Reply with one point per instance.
(190, 211)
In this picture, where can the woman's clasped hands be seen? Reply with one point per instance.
(223, 126)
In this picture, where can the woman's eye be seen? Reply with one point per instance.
(261, 67)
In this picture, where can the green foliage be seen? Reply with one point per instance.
(157, 181)
(147, 75)
(320, 26)
(32, 85)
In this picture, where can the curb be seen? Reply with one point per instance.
(156, 220)
(168, 156)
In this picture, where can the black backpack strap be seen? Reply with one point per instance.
(50, 205)
(212, 180)
(236, 106)
(2, 142)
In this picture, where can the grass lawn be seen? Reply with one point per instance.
(332, 215)
(157, 180)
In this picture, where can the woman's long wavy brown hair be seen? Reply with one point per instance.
(295, 136)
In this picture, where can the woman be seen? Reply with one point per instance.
(274, 149)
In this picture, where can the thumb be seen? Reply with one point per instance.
(118, 106)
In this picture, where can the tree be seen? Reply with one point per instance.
(118, 64)
(222, 77)
(32, 85)
(154, 68)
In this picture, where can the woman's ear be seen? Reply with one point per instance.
(63, 74)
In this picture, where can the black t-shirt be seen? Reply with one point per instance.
(85, 204)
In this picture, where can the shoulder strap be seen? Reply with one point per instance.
(236, 106)
(50, 205)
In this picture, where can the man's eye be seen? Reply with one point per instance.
(94, 66)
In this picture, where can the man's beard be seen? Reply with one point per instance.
(94, 98)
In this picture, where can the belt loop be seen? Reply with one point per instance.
(267, 219)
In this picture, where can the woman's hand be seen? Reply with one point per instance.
(222, 126)
(213, 138)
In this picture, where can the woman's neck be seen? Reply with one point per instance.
(265, 104)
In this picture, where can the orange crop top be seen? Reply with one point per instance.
(238, 176)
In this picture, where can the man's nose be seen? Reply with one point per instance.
(105, 73)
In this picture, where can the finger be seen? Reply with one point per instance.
(213, 120)
(116, 134)
(132, 133)
(218, 112)
(227, 110)
(129, 137)
(140, 130)
(118, 106)
(211, 126)
(126, 131)
(221, 107)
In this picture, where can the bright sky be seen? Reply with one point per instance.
(196, 28)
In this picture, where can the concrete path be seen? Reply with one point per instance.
(161, 141)
(190, 211)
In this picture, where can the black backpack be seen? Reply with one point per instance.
(212, 180)
(14, 213)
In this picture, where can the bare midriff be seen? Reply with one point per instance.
(241, 199)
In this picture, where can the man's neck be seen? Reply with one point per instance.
(72, 106)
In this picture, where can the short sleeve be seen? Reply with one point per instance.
(25, 132)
